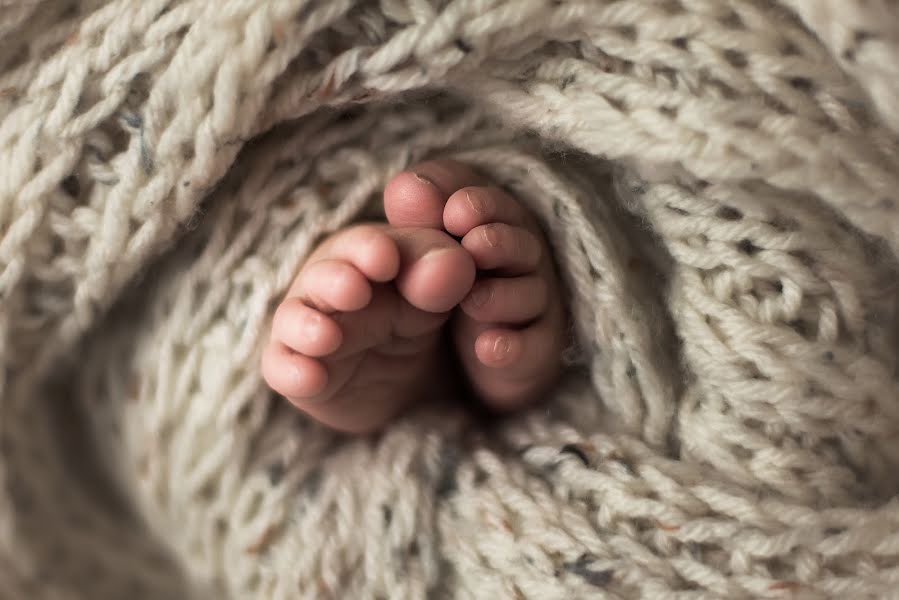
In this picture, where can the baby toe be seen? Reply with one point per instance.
(333, 285)
(507, 249)
(499, 348)
(506, 300)
(520, 364)
(472, 206)
(416, 197)
(438, 281)
(436, 272)
(292, 375)
(305, 330)
(367, 247)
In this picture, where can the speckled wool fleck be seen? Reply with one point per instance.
(718, 179)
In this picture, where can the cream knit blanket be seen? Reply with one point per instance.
(720, 183)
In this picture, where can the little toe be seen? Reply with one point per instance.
(518, 365)
(507, 249)
(436, 273)
(292, 375)
(332, 285)
(416, 197)
(305, 330)
(506, 300)
(499, 348)
(472, 206)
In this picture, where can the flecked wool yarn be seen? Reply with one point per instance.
(719, 180)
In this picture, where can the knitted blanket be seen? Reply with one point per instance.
(719, 181)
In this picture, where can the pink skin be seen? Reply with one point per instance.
(357, 337)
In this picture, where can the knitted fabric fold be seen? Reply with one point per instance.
(719, 183)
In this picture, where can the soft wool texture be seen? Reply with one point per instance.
(718, 180)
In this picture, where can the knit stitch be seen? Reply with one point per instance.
(718, 181)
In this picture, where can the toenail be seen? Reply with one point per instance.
(310, 326)
(295, 375)
(480, 295)
(425, 179)
(437, 251)
(476, 205)
(491, 236)
(501, 348)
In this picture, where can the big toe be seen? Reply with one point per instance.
(417, 196)
(436, 272)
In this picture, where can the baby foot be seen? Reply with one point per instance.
(358, 335)
(509, 334)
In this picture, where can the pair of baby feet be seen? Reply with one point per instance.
(359, 335)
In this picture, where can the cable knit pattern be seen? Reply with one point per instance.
(718, 180)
